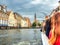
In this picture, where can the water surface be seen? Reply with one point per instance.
(20, 37)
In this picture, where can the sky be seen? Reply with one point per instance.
(27, 8)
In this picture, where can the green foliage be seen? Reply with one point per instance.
(39, 24)
(34, 24)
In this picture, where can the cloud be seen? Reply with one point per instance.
(40, 19)
(29, 7)
(31, 17)
(17, 1)
(54, 5)
(21, 1)
(4, 2)
(36, 2)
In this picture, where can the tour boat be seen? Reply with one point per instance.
(44, 39)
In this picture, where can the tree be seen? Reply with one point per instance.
(39, 24)
(34, 24)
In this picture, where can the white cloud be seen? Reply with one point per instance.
(36, 2)
(31, 17)
(20, 1)
(54, 5)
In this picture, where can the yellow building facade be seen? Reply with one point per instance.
(27, 21)
(11, 19)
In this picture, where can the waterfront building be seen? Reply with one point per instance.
(24, 23)
(3, 19)
(11, 19)
(3, 16)
(28, 21)
(18, 18)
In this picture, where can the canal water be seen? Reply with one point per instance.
(20, 37)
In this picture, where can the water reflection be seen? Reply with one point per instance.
(20, 37)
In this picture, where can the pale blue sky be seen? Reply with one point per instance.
(28, 8)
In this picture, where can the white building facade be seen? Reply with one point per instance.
(23, 23)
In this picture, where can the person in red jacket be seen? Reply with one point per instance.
(54, 36)
(57, 28)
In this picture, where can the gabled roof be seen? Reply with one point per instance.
(15, 13)
(8, 13)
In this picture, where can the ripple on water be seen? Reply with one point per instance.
(20, 36)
